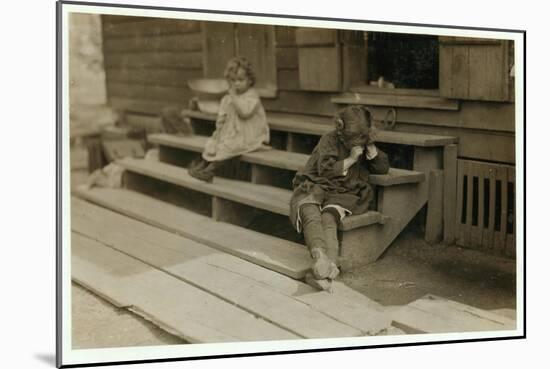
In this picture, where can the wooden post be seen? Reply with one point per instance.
(434, 220)
(450, 154)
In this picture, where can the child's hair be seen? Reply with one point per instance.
(353, 115)
(240, 62)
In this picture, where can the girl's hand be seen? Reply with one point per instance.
(356, 152)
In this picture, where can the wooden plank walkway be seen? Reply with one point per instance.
(274, 253)
(179, 308)
(287, 303)
(432, 314)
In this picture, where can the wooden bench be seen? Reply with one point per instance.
(281, 159)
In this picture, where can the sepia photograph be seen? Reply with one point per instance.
(241, 184)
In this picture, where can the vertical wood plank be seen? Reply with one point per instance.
(434, 219)
(459, 229)
(488, 74)
(461, 72)
(477, 230)
(256, 42)
(469, 203)
(219, 47)
(511, 238)
(445, 70)
(320, 68)
(450, 193)
(489, 235)
(500, 236)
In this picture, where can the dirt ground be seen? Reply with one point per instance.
(409, 269)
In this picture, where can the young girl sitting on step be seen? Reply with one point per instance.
(241, 125)
(334, 184)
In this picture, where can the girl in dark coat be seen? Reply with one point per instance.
(334, 184)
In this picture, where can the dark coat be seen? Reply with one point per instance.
(322, 180)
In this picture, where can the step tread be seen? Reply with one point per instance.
(176, 306)
(259, 196)
(282, 159)
(265, 293)
(273, 253)
(318, 126)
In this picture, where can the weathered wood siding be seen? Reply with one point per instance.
(149, 60)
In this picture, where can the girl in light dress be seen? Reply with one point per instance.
(241, 125)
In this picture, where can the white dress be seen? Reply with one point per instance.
(241, 127)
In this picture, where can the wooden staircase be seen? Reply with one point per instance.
(265, 187)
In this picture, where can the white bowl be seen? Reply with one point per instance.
(208, 87)
(209, 106)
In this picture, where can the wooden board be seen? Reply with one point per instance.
(141, 105)
(286, 57)
(273, 253)
(304, 124)
(301, 102)
(285, 36)
(460, 203)
(163, 94)
(264, 197)
(434, 218)
(183, 60)
(150, 27)
(282, 159)
(153, 76)
(219, 46)
(432, 314)
(288, 80)
(320, 68)
(449, 193)
(426, 102)
(269, 198)
(181, 309)
(178, 42)
(473, 144)
(234, 280)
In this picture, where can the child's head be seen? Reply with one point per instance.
(239, 74)
(354, 126)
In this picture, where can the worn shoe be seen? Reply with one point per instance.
(323, 267)
(201, 175)
(319, 284)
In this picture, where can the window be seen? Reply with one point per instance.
(406, 61)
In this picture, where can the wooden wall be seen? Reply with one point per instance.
(149, 60)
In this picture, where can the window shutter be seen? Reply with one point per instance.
(319, 59)
(474, 69)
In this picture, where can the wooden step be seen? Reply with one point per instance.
(176, 306)
(281, 159)
(276, 298)
(318, 126)
(270, 252)
(273, 199)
